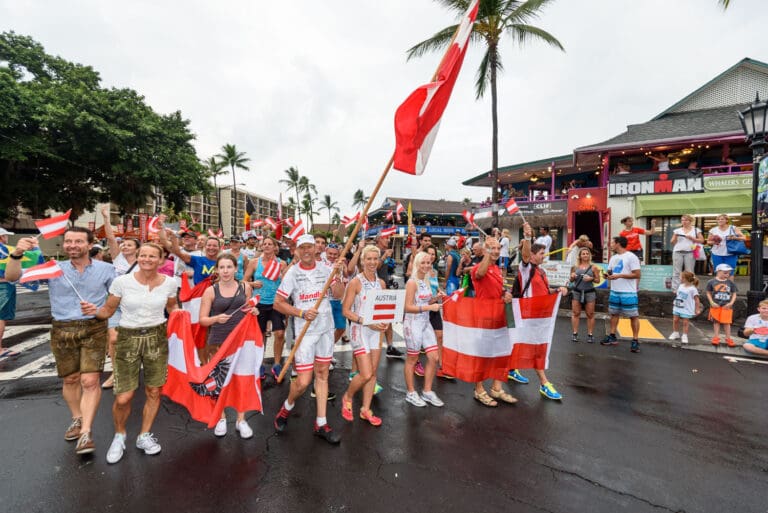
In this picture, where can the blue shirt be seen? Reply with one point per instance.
(268, 287)
(93, 284)
(202, 267)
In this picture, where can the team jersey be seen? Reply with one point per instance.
(366, 286)
(422, 298)
(304, 286)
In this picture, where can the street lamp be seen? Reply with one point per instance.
(753, 120)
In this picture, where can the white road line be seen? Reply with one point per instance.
(734, 359)
(33, 342)
(11, 331)
(43, 367)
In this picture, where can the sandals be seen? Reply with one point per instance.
(370, 417)
(485, 399)
(503, 396)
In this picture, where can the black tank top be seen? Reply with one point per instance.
(217, 333)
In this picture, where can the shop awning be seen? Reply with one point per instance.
(716, 202)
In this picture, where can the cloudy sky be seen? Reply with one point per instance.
(314, 84)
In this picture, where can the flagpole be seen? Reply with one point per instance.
(352, 236)
(73, 288)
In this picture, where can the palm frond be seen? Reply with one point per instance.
(437, 42)
(482, 77)
(526, 33)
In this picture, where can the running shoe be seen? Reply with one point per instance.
(548, 390)
(326, 433)
(635, 347)
(281, 419)
(377, 389)
(393, 352)
(730, 342)
(418, 369)
(431, 398)
(331, 395)
(590, 339)
(684, 339)
(415, 399)
(73, 431)
(276, 370)
(263, 372)
(85, 444)
(116, 448)
(221, 428)
(147, 442)
(243, 429)
(575, 337)
(346, 411)
(609, 340)
(514, 375)
(372, 419)
(715, 341)
(352, 375)
(674, 336)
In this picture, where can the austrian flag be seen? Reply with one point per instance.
(512, 207)
(271, 269)
(388, 232)
(297, 230)
(46, 271)
(349, 221)
(54, 226)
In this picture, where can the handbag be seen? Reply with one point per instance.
(736, 246)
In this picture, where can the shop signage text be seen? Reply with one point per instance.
(728, 182)
(639, 184)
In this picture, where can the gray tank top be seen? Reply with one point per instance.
(218, 333)
(581, 285)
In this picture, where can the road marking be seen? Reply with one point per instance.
(11, 331)
(647, 330)
(734, 359)
(33, 342)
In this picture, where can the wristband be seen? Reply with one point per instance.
(301, 314)
(14, 257)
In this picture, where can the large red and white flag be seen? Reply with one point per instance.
(388, 232)
(468, 216)
(230, 379)
(271, 270)
(190, 299)
(46, 271)
(271, 223)
(218, 234)
(512, 207)
(348, 221)
(481, 341)
(418, 118)
(390, 215)
(53, 226)
(152, 225)
(297, 230)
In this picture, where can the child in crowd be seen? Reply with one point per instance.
(686, 306)
(721, 293)
(756, 328)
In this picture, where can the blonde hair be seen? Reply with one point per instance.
(156, 247)
(687, 216)
(689, 277)
(370, 248)
(417, 262)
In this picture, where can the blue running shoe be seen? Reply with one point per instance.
(377, 389)
(548, 390)
(514, 375)
(352, 375)
(635, 347)
(609, 340)
(276, 370)
(263, 372)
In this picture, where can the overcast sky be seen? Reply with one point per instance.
(315, 84)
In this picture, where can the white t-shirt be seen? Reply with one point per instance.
(504, 246)
(685, 300)
(122, 265)
(754, 321)
(683, 243)
(624, 264)
(250, 253)
(721, 249)
(304, 287)
(546, 241)
(140, 307)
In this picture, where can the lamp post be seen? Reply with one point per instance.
(753, 121)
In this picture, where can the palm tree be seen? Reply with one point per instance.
(467, 201)
(292, 206)
(359, 199)
(307, 208)
(293, 182)
(229, 156)
(328, 204)
(306, 186)
(724, 3)
(213, 169)
(336, 219)
(494, 19)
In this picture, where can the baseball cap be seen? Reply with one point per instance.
(3, 231)
(305, 239)
(451, 242)
(724, 267)
(186, 233)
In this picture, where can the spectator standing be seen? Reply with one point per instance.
(544, 239)
(686, 305)
(718, 237)
(583, 276)
(632, 234)
(684, 241)
(721, 293)
(624, 274)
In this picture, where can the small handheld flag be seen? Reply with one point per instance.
(46, 271)
(54, 226)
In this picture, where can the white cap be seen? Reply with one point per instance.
(3, 231)
(723, 267)
(305, 239)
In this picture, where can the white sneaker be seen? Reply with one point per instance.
(148, 443)
(330, 366)
(244, 429)
(431, 398)
(684, 339)
(674, 336)
(414, 399)
(116, 448)
(221, 428)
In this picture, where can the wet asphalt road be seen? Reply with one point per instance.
(666, 430)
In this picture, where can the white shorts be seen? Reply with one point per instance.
(363, 339)
(419, 335)
(316, 347)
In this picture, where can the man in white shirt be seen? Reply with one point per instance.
(545, 239)
(624, 274)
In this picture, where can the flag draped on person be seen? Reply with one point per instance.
(190, 299)
(230, 379)
(484, 338)
(53, 226)
(418, 118)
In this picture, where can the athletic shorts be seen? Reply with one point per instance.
(623, 303)
(79, 346)
(758, 344)
(314, 348)
(137, 348)
(721, 315)
(363, 339)
(584, 297)
(339, 321)
(268, 313)
(682, 315)
(436, 321)
(418, 335)
(7, 301)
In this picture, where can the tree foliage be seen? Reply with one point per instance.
(66, 142)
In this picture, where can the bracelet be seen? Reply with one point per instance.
(301, 314)
(14, 257)
(359, 320)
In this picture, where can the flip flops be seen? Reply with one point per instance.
(8, 353)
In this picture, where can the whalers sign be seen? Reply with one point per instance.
(638, 184)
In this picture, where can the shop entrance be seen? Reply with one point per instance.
(588, 223)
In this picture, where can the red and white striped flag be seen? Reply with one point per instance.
(512, 207)
(255, 223)
(469, 216)
(418, 117)
(53, 226)
(297, 230)
(218, 234)
(271, 270)
(455, 296)
(152, 224)
(389, 215)
(230, 379)
(271, 223)
(290, 223)
(251, 303)
(46, 271)
(388, 232)
(349, 221)
(481, 342)
(364, 225)
(399, 209)
(190, 299)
